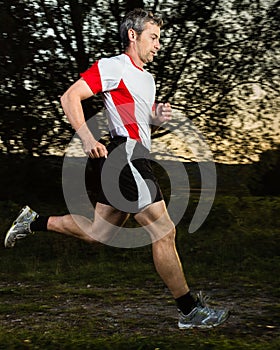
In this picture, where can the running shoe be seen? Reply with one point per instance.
(20, 227)
(202, 316)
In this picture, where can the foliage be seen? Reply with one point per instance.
(218, 66)
(265, 174)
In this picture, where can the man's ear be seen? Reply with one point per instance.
(132, 35)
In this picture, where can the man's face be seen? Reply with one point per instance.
(147, 44)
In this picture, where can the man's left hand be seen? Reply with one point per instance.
(163, 112)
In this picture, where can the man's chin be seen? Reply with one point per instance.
(149, 59)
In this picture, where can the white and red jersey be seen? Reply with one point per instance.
(129, 96)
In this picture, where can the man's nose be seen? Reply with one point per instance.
(157, 45)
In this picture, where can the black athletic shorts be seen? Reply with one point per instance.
(127, 179)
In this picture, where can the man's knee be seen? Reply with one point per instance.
(166, 235)
(171, 234)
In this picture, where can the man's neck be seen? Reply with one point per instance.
(135, 57)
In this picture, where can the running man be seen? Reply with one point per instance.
(129, 95)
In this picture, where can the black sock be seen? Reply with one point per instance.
(39, 224)
(186, 303)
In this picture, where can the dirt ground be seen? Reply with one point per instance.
(146, 311)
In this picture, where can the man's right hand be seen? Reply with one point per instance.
(95, 149)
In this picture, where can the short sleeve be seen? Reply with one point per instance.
(104, 75)
(92, 78)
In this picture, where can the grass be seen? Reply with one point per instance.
(60, 293)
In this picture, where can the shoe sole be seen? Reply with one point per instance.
(23, 211)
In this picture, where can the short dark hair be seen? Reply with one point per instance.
(136, 19)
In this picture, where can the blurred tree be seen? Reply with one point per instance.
(221, 69)
(218, 66)
(265, 174)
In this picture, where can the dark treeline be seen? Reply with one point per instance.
(218, 67)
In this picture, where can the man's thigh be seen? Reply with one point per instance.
(107, 222)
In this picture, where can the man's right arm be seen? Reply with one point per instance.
(71, 104)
